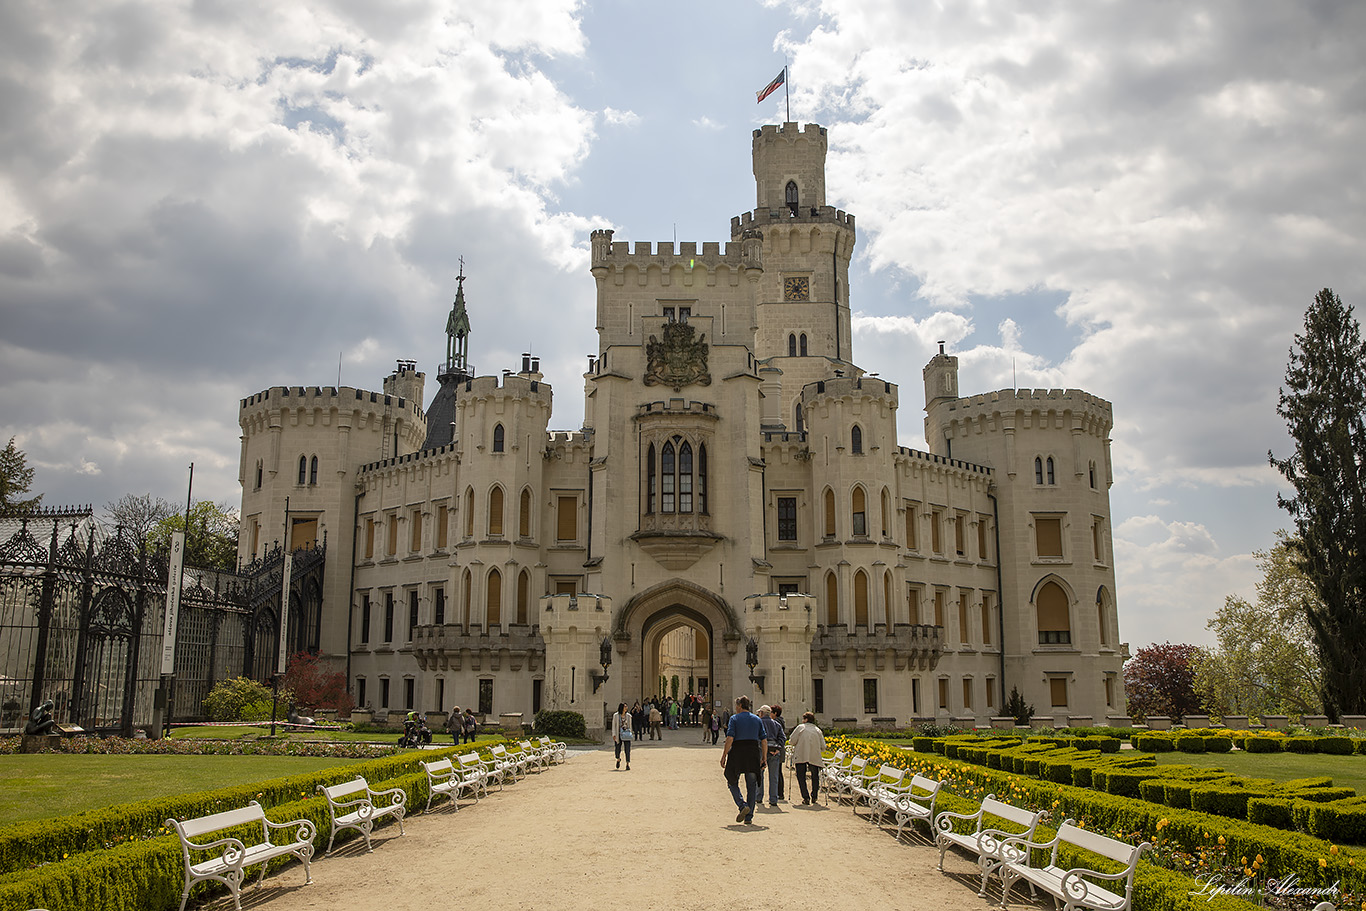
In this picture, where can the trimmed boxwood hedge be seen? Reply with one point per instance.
(37, 841)
(1338, 746)
(1190, 743)
(1298, 744)
(1154, 743)
(1262, 744)
(1283, 852)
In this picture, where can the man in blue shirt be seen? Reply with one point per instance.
(744, 754)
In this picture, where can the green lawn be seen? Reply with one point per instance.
(1346, 771)
(55, 784)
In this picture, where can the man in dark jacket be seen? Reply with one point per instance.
(744, 752)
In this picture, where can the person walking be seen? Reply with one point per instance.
(706, 724)
(715, 728)
(743, 755)
(455, 722)
(471, 726)
(656, 723)
(622, 734)
(777, 749)
(808, 748)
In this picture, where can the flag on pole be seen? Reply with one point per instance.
(772, 86)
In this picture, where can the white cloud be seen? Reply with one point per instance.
(706, 123)
(613, 117)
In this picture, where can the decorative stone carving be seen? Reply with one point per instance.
(679, 360)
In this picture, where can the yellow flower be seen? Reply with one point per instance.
(1333, 849)
(1244, 860)
(1221, 839)
(1259, 859)
(1322, 863)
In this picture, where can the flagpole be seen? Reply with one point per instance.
(787, 94)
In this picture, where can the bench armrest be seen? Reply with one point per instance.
(943, 821)
(1025, 846)
(361, 802)
(399, 795)
(306, 830)
(233, 854)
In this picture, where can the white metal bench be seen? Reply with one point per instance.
(361, 811)
(482, 771)
(444, 777)
(227, 866)
(537, 758)
(841, 780)
(512, 764)
(988, 844)
(557, 748)
(881, 791)
(1075, 887)
(916, 802)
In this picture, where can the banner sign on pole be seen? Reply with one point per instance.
(284, 614)
(173, 576)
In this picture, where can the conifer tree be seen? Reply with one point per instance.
(16, 479)
(1323, 403)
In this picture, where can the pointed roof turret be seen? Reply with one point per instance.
(458, 331)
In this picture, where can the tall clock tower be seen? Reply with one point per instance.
(803, 307)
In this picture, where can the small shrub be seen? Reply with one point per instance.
(1262, 744)
(1338, 746)
(243, 699)
(922, 744)
(1190, 743)
(561, 724)
(1218, 744)
(1359, 746)
(1108, 744)
(1298, 744)
(1271, 811)
(1153, 743)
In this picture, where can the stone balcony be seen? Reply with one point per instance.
(903, 646)
(449, 647)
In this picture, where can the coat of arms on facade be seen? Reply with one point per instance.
(677, 361)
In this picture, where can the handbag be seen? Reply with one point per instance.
(626, 734)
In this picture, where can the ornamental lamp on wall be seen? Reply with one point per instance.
(752, 661)
(605, 659)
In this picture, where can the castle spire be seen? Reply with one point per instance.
(458, 330)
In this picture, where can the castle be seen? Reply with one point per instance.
(734, 516)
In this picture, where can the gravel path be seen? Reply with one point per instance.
(585, 835)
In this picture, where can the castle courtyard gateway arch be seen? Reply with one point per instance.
(649, 617)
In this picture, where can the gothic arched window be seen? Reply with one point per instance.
(667, 479)
(860, 512)
(497, 437)
(496, 511)
(856, 440)
(303, 470)
(313, 471)
(493, 601)
(832, 600)
(1050, 470)
(702, 478)
(801, 426)
(685, 478)
(650, 480)
(260, 469)
(790, 196)
(524, 515)
(791, 345)
(803, 344)
(1038, 470)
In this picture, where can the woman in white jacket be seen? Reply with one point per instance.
(622, 734)
(804, 749)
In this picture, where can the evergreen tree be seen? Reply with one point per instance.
(16, 479)
(1324, 407)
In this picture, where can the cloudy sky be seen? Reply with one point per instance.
(199, 200)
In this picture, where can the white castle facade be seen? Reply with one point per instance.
(735, 512)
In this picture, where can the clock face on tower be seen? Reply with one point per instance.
(797, 289)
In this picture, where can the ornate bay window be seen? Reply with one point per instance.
(675, 526)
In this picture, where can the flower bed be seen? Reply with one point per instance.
(122, 746)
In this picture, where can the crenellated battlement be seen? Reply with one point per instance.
(676, 407)
(941, 460)
(790, 132)
(644, 255)
(849, 387)
(568, 438)
(509, 384)
(1010, 401)
(767, 217)
(254, 412)
(424, 455)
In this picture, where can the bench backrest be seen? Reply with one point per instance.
(192, 828)
(346, 789)
(924, 784)
(857, 766)
(499, 752)
(890, 774)
(441, 767)
(1100, 844)
(1020, 817)
(470, 761)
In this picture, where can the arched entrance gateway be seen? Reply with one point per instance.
(653, 631)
